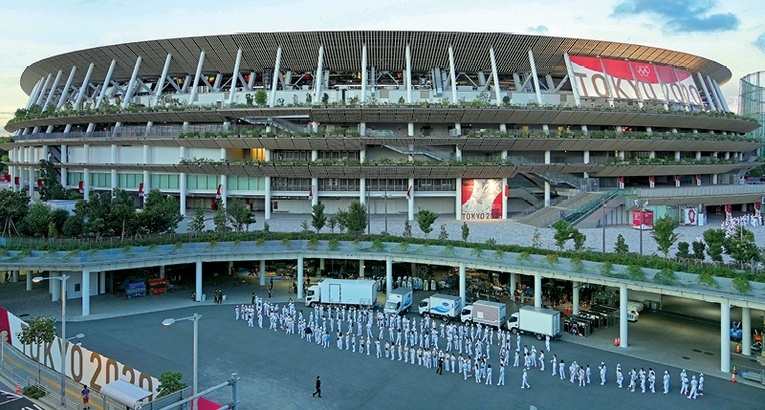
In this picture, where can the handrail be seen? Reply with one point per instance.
(590, 207)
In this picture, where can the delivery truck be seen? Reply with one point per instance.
(399, 301)
(535, 321)
(486, 313)
(441, 305)
(343, 292)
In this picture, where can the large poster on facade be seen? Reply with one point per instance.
(82, 365)
(630, 80)
(481, 199)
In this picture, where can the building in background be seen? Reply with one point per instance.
(474, 125)
(752, 101)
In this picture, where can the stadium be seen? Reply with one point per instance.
(474, 125)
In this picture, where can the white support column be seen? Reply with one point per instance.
(300, 277)
(408, 79)
(40, 97)
(623, 329)
(575, 297)
(725, 336)
(267, 198)
(86, 172)
(746, 331)
(710, 99)
(364, 79)
(224, 190)
(315, 186)
(463, 282)
(410, 202)
(83, 90)
(495, 77)
(33, 94)
(182, 192)
(513, 285)
(237, 64)
(720, 97)
(198, 281)
(458, 199)
(52, 90)
(104, 86)
(32, 183)
(67, 86)
(64, 177)
(161, 81)
(319, 75)
(548, 160)
(262, 272)
(131, 84)
(195, 84)
(29, 277)
(388, 275)
(538, 290)
(85, 290)
(452, 75)
(275, 79)
(572, 80)
(534, 79)
(361, 268)
(363, 191)
(101, 282)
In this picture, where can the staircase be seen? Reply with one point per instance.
(562, 179)
(543, 216)
(431, 153)
(525, 194)
(593, 204)
(278, 122)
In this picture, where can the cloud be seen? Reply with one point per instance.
(540, 29)
(680, 16)
(760, 42)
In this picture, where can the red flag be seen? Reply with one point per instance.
(409, 193)
(140, 189)
(217, 194)
(81, 187)
(310, 193)
(39, 183)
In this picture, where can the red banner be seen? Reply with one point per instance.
(481, 199)
(646, 222)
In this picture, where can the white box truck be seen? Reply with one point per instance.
(535, 321)
(486, 313)
(343, 292)
(399, 301)
(441, 305)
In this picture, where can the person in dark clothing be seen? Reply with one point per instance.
(440, 368)
(318, 387)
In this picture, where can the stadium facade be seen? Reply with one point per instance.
(477, 125)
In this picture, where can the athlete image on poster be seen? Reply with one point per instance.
(481, 199)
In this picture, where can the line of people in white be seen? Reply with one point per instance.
(359, 329)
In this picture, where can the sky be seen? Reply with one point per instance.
(730, 32)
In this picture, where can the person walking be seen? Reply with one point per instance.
(602, 373)
(525, 383)
(85, 397)
(694, 388)
(666, 381)
(318, 387)
(501, 381)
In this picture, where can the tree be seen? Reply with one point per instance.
(160, 214)
(562, 233)
(261, 98)
(170, 382)
(621, 247)
(698, 250)
(107, 214)
(15, 205)
(239, 215)
(304, 226)
(664, 234)
(425, 219)
(73, 226)
(318, 219)
(715, 239)
(357, 218)
(683, 250)
(342, 219)
(536, 239)
(331, 223)
(197, 221)
(443, 235)
(579, 239)
(407, 229)
(741, 247)
(465, 231)
(51, 186)
(35, 222)
(39, 330)
(220, 219)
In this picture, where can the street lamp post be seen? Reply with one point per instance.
(386, 206)
(604, 227)
(194, 318)
(643, 204)
(63, 279)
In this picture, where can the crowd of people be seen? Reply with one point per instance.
(463, 348)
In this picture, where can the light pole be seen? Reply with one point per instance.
(63, 279)
(386, 206)
(642, 204)
(604, 227)
(194, 318)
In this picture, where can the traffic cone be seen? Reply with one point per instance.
(18, 388)
(617, 342)
(733, 374)
(738, 348)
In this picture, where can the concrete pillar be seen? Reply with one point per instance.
(458, 200)
(677, 155)
(623, 298)
(14, 276)
(321, 264)
(267, 198)
(29, 280)
(410, 202)
(361, 268)
(575, 297)
(262, 272)
(725, 336)
(101, 282)
(547, 193)
(538, 290)
(463, 285)
(714, 179)
(161, 271)
(300, 277)
(513, 284)
(182, 190)
(362, 191)
(746, 331)
(198, 281)
(315, 186)
(85, 288)
(743, 207)
(388, 275)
